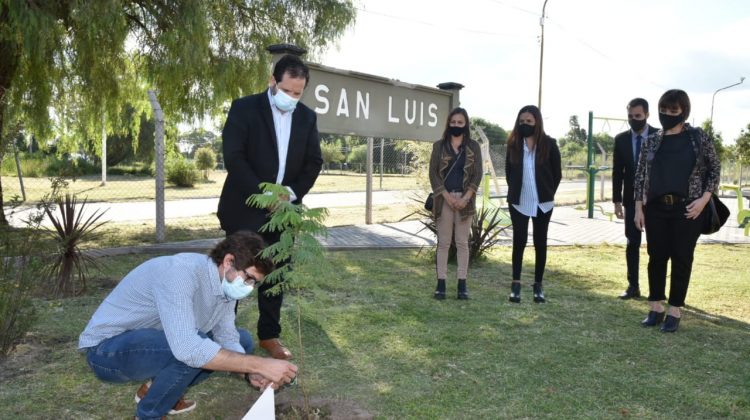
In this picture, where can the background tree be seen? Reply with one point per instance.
(331, 153)
(94, 56)
(193, 140)
(205, 160)
(742, 145)
(742, 150)
(496, 134)
(721, 150)
(606, 141)
(576, 134)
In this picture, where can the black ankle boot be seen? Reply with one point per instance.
(515, 292)
(440, 290)
(463, 293)
(538, 293)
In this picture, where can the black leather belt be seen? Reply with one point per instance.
(671, 199)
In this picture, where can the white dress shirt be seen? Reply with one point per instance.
(282, 124)
(529, 200)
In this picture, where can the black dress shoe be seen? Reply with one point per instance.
(653, 319)
(630, 294)
(670, 324)
(538, 293)
(515, 292)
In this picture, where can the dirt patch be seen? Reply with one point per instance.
(320, 409)
(21, 360)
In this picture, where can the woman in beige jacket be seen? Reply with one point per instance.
(455, 173)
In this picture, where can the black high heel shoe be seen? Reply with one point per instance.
(653, 319)
(515, 292)
(670, 324)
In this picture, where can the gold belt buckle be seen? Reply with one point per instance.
(669, 199)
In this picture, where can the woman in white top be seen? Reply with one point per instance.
(533, 173)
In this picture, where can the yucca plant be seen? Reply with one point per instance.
(71, 229)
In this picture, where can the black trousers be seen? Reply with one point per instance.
(671, 237)
(632, 250)
(269, 307)
(521, 236)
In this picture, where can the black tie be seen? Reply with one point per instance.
(638, 147)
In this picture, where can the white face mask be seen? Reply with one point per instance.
(283, 101)
(235, 289)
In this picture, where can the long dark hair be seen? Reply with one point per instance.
(515, 140)
(467, 128)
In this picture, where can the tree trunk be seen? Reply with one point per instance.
(9, 51)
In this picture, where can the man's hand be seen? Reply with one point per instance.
(278, 371)
(259, 381)
(618, 211)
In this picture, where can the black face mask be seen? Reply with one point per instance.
(526, 130)
(670, 121)
(637, 125)
(455, 131)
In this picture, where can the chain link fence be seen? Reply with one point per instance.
(399, 178)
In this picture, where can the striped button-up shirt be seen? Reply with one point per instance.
(529, 200)
(179, 294)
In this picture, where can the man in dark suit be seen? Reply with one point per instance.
(269, 137)
(627, 149)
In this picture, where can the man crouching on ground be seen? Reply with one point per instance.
(170, 323)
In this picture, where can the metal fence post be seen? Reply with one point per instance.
(159, 144)
(368, 194)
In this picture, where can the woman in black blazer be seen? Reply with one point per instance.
(533, 173)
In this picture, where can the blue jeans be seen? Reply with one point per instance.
(140, 355)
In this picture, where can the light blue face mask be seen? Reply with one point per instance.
(283, 101)
(235, 289)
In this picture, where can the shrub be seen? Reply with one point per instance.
(205, 160)
(135, 168)
(181, 173)
(19, 269)
(21, 266)
(39, 165)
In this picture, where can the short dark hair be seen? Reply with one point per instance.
(676, 98)
(294, 66)
(246, 247)
(638, 102)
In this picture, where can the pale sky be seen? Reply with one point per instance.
(598, 54)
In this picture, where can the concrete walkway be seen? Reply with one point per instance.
(568, 227)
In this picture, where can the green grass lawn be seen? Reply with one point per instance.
(373, 336)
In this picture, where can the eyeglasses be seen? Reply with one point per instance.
(247, 278)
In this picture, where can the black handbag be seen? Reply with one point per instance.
(429, 203)
(715, 215)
